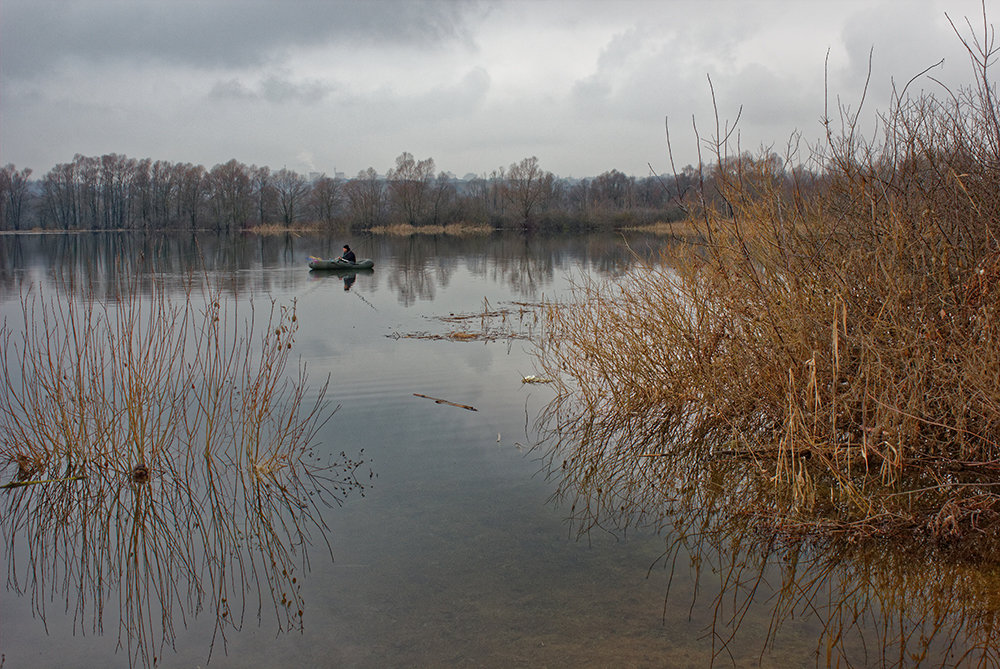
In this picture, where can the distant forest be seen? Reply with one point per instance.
(115, 192)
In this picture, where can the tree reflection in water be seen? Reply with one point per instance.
(158, 454)
(869, 600)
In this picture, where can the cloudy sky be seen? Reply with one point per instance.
(325, 85)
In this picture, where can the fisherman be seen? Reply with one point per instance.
(348, 254)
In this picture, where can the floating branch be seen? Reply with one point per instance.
(448, 402)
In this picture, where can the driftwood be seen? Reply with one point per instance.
(449, 402)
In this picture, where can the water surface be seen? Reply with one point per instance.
(453, 548)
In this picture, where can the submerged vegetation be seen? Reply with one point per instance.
(158, 454)
(837, 336)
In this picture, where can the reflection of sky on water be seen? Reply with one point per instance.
(451, 492)
(174, 510)
(456, 554)
(414, 268)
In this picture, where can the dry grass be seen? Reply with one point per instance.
(169, 458)
(278, 230)
(838, 336)
(683, 229)
(455, 229)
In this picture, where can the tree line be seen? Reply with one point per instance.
(114, 192)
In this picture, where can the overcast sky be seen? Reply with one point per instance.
(319, 85)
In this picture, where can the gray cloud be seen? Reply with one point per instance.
(278, 89)
(38, 34)
(232, 89)
(462, 98)
(584, 85)
(283, 90)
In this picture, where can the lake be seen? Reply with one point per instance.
(447, 535)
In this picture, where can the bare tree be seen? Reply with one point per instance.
(409, 186)
(115, 182)
(116, 192)
(60, 196)
(229, 185)
(366, 197)
(263, 191)
(528, 186)
(613, 191)
(194, 188)
(442, 198)
(87, 186)
(291, 188)
(13, 190)
(140, 196)
(326, 198)
(489, 194)
(163, 188)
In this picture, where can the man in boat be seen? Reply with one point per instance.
(348, 254)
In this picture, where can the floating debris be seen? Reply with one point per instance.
(448, 402)
(531, 378)
(520, 320)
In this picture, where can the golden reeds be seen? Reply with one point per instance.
(837, 333)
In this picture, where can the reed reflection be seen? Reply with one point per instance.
(866, 599)
(160, 454)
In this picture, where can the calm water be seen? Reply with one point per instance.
(451, 549)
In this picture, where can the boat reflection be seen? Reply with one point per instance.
(865, 600)
(348, 276)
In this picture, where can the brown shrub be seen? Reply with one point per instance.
(838, 332)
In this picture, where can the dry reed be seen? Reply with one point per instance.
(278, 230)
(454, 229)
(835, 330)
(177, 458)
(766, 578)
